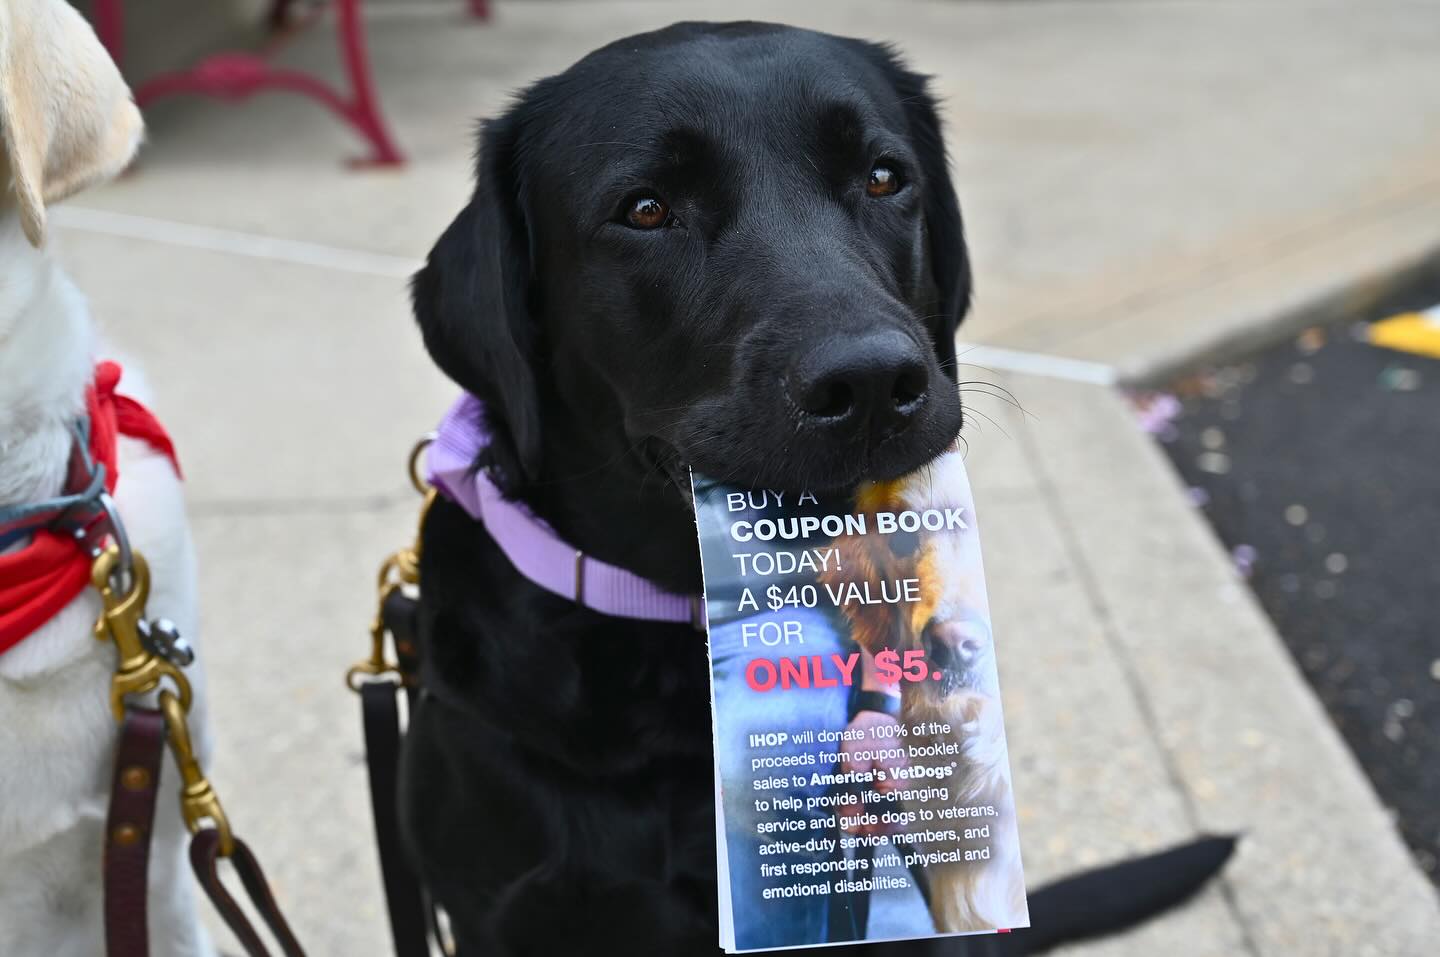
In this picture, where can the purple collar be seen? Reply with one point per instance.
(531, 545)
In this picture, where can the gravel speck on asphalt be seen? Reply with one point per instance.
(1216, 463)
(1244, 557)
(1400, 379)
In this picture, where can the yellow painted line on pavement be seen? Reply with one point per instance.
(1415, 332)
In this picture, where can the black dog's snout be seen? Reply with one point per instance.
(869, 384)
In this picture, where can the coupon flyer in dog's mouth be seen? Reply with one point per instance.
(863, 786)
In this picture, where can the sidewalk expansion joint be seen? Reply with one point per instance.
(1094, 595)
(234, 242)
(200, 508)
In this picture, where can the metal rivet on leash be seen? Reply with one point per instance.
(125, 835)
(135, 779)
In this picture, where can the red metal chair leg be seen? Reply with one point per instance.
(365, 111)
(237, 76)
(480, 9)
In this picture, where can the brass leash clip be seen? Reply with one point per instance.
(400, 569)
(139, 670)
(198, 801)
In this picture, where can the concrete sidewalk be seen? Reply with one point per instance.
(1141, 182)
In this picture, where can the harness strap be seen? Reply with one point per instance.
(40, 579)
(72, 511)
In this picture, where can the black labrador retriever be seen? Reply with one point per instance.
(733, 247)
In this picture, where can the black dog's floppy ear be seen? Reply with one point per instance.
(949, 261)
(471, 300)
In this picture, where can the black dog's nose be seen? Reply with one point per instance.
(873, 383)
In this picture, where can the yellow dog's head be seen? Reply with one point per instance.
(67, 120)
(951, 620)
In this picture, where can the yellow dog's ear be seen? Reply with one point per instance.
(66, 116)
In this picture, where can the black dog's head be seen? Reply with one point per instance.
(729, 246)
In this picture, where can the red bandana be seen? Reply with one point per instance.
(39, 580)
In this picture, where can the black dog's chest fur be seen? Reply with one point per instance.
(559, 766)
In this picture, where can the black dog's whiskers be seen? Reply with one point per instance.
(979, 387)
(1000, 391)
(637, 147)
(993, 385)
(990, 419)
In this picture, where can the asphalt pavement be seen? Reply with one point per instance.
(1317, 460)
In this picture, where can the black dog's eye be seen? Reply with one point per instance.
(884, 181)
(647, 212)
(904, 544)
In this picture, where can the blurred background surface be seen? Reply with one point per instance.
(1152, 190)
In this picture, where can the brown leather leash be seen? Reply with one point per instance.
(127, 831)
(149, 660)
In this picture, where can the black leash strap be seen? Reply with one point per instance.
(380, 712)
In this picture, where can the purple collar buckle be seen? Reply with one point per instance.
(532, 546)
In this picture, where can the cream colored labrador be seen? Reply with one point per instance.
(67, 122)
